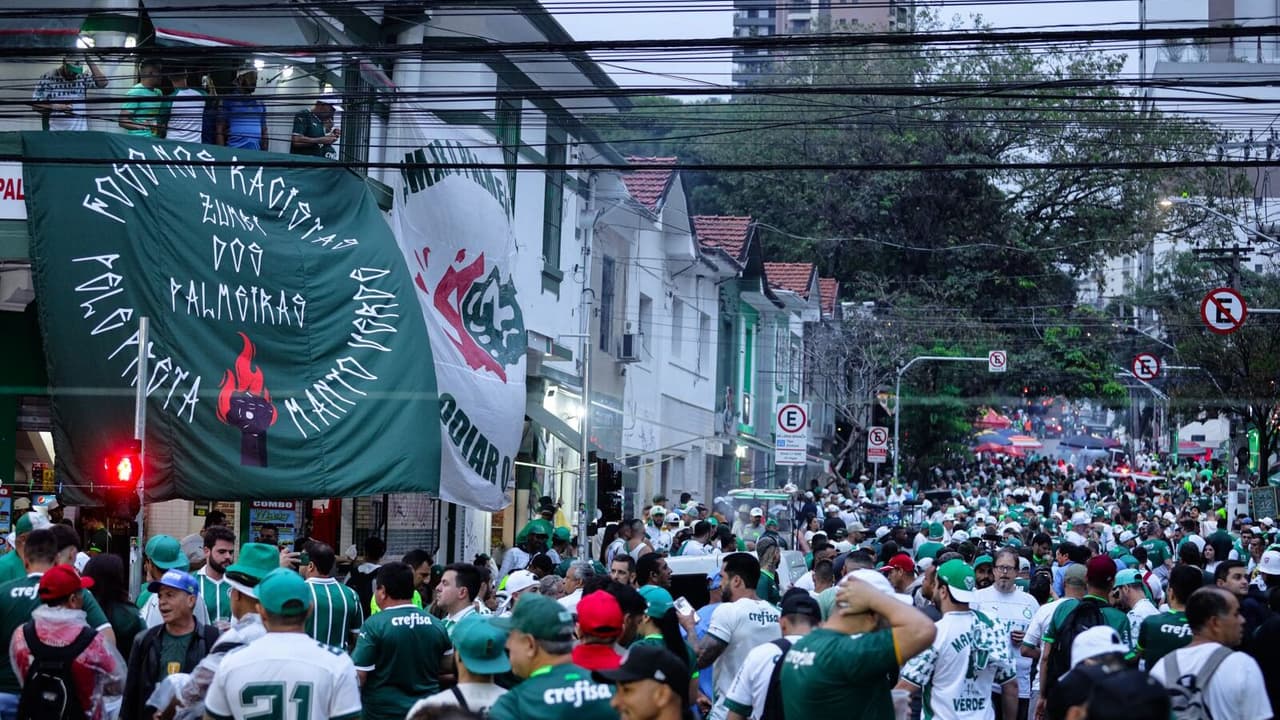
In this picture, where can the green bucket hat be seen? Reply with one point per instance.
(658, 599)
(256, 561)
(284, 592)
(165, 552)
(539, 616)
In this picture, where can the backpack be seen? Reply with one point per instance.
(1186, 692)
(362, 584)
(49, 691)
(1086, 614)
(772, 709)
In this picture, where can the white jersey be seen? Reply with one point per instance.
(478, 696)
(1233, 693)
(1035, 633)
(1142, 610)
(969, 653)
(285, 675)
(1012, 611)
(742, 625)
(750, 687)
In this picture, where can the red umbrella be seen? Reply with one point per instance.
(990, 447)
(992, 419)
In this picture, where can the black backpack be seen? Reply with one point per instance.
(362, 583)
(49, 692)
(1086, 614)
(772, 709)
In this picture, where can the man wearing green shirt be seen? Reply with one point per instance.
(219, 552)
(848, 663)
(143, 113)
(19, 597)
(335, 616)
(99, 537)
(401, 651)
(540, 645)
(11, 566)
(934, 545)
(1162, 633)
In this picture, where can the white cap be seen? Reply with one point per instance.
(1011, 526)
(881, 532)
(1267, 521)
(757, 512)
(856, 526)
(1126, 536)
(1074, 538)
(1079, 519)
(879, 582)
(1270, 563)
(1096, 641)
(959, 536)
(832, 508)
(519, 580)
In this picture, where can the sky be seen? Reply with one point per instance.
(716, 20)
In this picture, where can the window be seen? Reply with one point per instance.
(780, 358)
(646, 319)
(704, 340)
(606, 302)
(506, 116)
(677, 327)
(748, 370)
(797, 370)
(553, 209)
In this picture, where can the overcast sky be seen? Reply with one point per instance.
(719, 23)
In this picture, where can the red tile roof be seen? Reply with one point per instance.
(795, 277)
(829, 290)
(724, 232)
(648, 186)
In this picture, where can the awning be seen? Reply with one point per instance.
(190, 22)
(551, 423)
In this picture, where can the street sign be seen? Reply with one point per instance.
(997, 360)
(791, 435)
(1145, 366)
(877, 444)
(1223, 310)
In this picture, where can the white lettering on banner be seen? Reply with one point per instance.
(234, 249)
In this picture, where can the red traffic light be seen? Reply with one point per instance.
(123, 467)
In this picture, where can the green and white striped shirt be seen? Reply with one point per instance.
(335, 613)
(216, 595)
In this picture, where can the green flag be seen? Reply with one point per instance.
(288, 357)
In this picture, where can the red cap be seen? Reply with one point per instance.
(901, 561)
(1100, 571)
(60, 581)
(600, 614)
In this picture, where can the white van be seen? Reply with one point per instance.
(689, 574)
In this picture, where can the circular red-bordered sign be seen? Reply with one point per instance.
(787, 418)
(1145, 366)
(1223, 310)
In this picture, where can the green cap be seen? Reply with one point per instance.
(480, 645)
(959, 578)
(23, 525)
(256, 561)
(983, 560)
(539, 616)
(1117, 551)
(561, 533)
(1129, 561)
(658, 599)
(1128, 577)
(1099, 512)
(935, 531)
(165, 552)
(284, 592)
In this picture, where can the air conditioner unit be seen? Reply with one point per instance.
(629, 350)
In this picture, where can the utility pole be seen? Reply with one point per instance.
(140, 434)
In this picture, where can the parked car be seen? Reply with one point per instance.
(689, 574)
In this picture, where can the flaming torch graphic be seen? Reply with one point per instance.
(244, 402)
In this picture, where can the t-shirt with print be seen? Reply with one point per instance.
(17, 599)
(173, 652)
(1234, 692)
(284, 675)
(335, 612)
(1010, 611)
(1161, 634)
(1157, 551)
(479, 697)
(555, 692)
(56, 89)
(826, 669)
(750, 688)
(401, 649)
(742, 624)
(968, 654)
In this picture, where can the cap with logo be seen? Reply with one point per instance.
(480, 645)
(658, 600)
(539, 616)
(959, 579)
(757, 512)
(176, 579)
(518, 581)
(599, 614)
(255, 562)
(284, 592)
(1270, 563)
(657, 510)
(61, 581)
(165, 552)
(650, 662)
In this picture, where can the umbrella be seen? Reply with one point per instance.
(1088, 442)
(992, 419)
(990, 447)
(1025, 441)
(1186, 447)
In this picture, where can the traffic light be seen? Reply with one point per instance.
(121, 472)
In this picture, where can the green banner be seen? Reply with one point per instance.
(287, 356)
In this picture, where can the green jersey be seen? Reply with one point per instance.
(1157, 551)
(216, 595)
(767, 588)
(1113, 618)
(145, 106)
(17, 599)
(401, 649)
(555, 692)
(100, 541)
(11, 567)
(826, 669)
(1161, 634)
(335, 612)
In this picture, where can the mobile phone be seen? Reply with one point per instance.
(683, 606)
